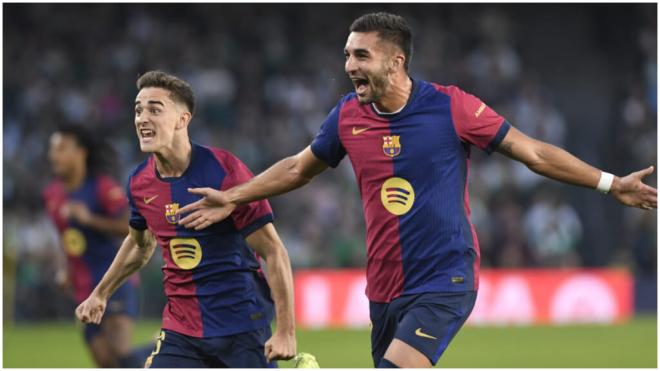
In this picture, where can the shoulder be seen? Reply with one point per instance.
(141, 175)
(224, 158)
(449, 90)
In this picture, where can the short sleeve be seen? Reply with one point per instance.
(111, 196)
(327, 146)
(254, 215)
(475, 122)
(135, 220)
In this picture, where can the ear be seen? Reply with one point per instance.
(398, 61)
(184, 120)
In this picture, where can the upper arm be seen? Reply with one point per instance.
(327, 145)
(520, 147)
(308, 165)
(265, 241)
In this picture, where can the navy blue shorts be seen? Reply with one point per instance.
(427, 322)
(123, 301)
(243, 350)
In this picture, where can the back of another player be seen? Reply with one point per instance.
(89, 209)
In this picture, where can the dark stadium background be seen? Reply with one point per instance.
(581, 76)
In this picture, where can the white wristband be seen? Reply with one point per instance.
(605, 182)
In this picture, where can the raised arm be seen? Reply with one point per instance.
(134, 253)
(286, 175)
(556, 163)
(266, 242)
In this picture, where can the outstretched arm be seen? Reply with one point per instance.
(133, 254)
(554, 162)
(266, 242)
(286, 175)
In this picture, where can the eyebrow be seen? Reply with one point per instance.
(358, 51)
(151, 102)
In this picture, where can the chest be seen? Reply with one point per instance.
(419, 139)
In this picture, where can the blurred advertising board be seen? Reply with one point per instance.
(335, 298)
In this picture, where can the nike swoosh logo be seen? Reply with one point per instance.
(357, 131)
(419, 332)
(148, 200)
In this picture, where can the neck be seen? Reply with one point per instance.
(174, 160)
(75, 179)
(397, 94)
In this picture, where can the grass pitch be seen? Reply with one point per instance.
(630, 345)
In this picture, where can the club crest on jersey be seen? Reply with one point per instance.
(391, 145)
(170, 213)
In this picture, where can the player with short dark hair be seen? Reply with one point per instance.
(89, 210)
(219, 305)
(409, 142)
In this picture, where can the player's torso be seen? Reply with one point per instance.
(210, 276)
(96, 249)
(411, 170)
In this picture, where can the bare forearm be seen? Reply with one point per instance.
(280, 280)
(129, 259)
(556, 163)
(279, 178)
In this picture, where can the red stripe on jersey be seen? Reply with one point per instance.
(81, 278)
(151, 196)
(236, 172)
(372, 168)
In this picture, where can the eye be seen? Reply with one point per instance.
(138, 111)
(155, 111)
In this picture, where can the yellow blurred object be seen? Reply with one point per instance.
(306, 360)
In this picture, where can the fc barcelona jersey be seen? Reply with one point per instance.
(212, 279)
(412, 171)
(89, 252)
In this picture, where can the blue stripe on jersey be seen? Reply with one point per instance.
(428, 268)
(221, 245)
(330, 129)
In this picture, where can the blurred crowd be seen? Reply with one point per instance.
(265, 76)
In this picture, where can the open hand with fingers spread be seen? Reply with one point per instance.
(91, 310)
(213, 207)
(631, 191)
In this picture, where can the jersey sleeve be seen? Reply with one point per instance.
(111, 196)
(475, 122)
(327, 146)
(135, 220)
(254, 215)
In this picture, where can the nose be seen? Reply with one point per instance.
(350, 66)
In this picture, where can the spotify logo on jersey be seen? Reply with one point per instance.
(397, 195)
(186, 252)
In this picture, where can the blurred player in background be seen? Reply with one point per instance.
(409, 143)
(90, 211)
(219, 306)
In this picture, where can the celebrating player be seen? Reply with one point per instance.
(409, 143)
(219, 304)
(89, 210)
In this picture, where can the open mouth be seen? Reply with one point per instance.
(147, 133)
(361, 85)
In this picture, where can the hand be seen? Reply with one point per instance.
(91, 310)
(62, 279)
(280, 346)
(213, 207)
(630, 190)
(78, 211)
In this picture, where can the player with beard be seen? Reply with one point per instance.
(409, 142)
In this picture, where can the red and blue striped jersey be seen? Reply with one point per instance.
(212, 279)
(412, 170)
(89, 252)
